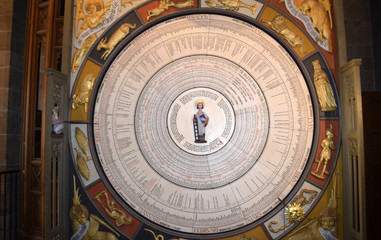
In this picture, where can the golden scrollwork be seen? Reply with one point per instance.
(161, 237)
(86, 226)
(295, 211)
(323, 88)
(327, 145)
(234, 5)
(116, 37)
(278, 24)
(156, 237)
(82, 97)
(319, 12)
(115, 213)
(166, 4)
(94, 15)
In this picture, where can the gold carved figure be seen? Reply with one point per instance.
(322, 227)
(82, 97)
(118, 215)
(82, 142)
(319, 228)
(118, 35)
(94, 15)
(323, 88)
(295, 212)
(82, 165)
(166, 4)
(86, 226)
(234, 5)
(319, 12)
(327, 146)
(278, 24)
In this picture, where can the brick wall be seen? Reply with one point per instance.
(358, 31)
(12, 40)
(6, 14)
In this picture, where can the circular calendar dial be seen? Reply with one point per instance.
(203, 124)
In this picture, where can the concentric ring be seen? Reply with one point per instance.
(164, 122)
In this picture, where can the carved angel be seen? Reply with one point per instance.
(91, 18)
(320, 14)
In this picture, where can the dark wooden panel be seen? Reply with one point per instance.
(372, 151)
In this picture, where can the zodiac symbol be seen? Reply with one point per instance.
(166, 4)
(234, 5)
(119, 34)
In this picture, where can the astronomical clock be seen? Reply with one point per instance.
(211, 119)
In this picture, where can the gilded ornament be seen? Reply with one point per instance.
(278, 24)
(323, 88)
(323, 226)
(115, 213)
(82, 97)
(82, 142)
(156, 237)
(320, 14)
(166, 4)
(93, 16)
(234, 5)
(85, 226)
(82, 165)
(116, 37)
(295, 212)
(327, 145)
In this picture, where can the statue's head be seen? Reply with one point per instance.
(93, 6)
(329, 132)
(327, 218)
(200, 104)
(279, 19)
(305, 7)
(79, 213)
